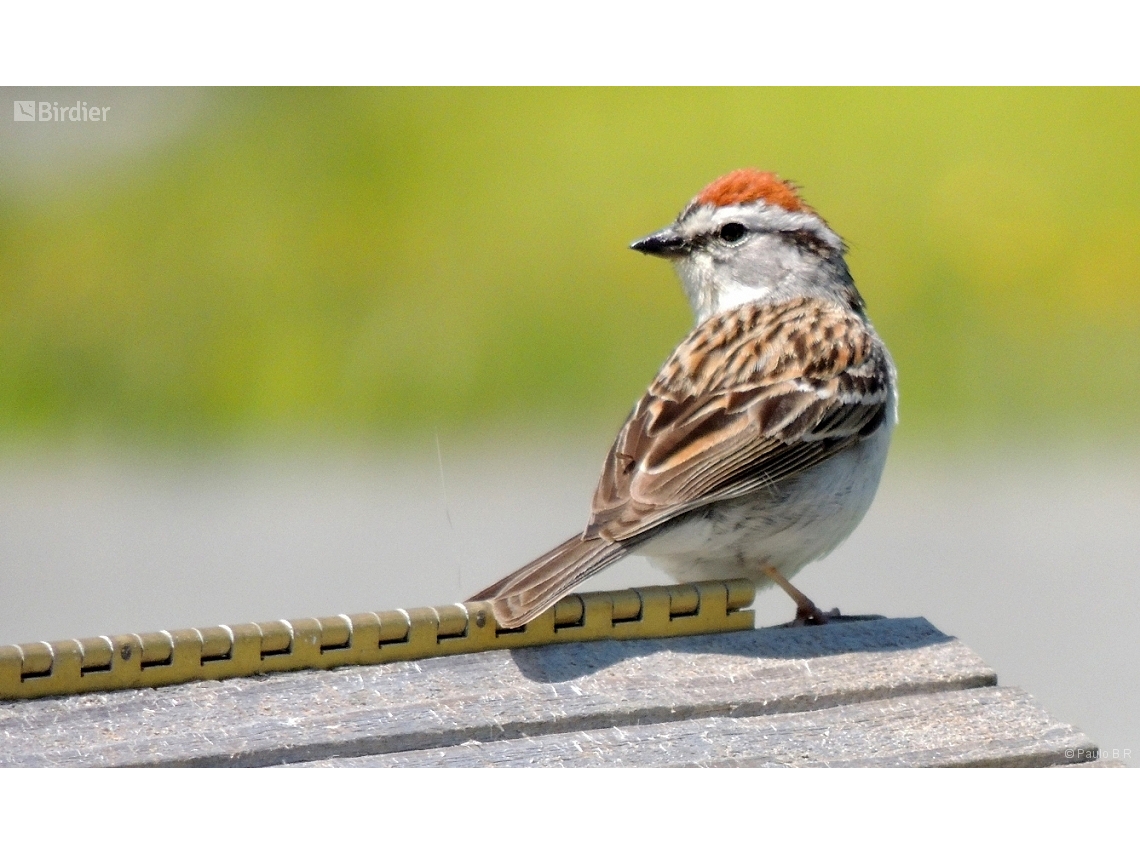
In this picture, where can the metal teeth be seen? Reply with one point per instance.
(371, 638)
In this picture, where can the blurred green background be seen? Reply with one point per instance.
(359, 265)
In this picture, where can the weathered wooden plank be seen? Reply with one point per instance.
(977, 727)
(485, 697)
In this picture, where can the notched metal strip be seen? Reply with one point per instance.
(154, 659)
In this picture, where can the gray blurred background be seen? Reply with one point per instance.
(281, 353)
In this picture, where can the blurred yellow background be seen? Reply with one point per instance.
(360, 265)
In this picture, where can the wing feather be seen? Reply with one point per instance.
(752, 397)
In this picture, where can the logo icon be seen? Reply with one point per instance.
(24, 111)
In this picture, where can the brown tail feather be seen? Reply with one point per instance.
(532, 589)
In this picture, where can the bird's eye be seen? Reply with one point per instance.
(732, 232)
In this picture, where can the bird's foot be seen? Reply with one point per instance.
(809, 614)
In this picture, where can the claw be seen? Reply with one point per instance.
(810, 615)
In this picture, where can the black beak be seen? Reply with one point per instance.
(665, 243)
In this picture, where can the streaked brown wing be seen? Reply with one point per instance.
(751, 397)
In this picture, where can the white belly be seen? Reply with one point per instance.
(786, 526)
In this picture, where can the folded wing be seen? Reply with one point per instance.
(750, 398)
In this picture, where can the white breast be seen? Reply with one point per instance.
(787, 526)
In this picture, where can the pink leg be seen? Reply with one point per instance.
(807, 612)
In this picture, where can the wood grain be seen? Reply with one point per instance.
(869, 693)
(490, 697)
(975, 727)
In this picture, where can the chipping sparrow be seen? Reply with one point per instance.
(759, 446)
